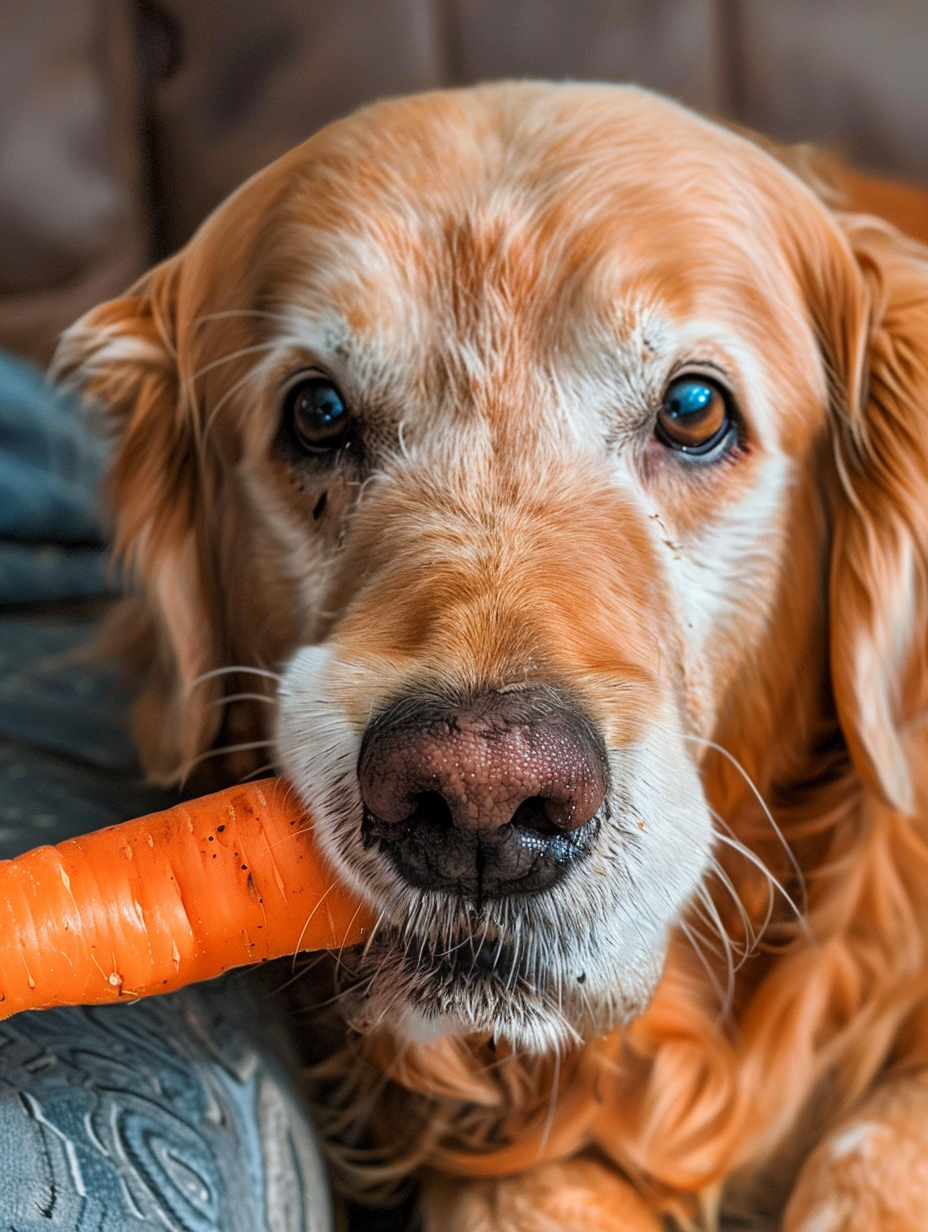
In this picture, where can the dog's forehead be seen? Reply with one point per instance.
(526, 189)
(527, 219)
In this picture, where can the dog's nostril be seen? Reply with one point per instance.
(533, 814)
(432, 810)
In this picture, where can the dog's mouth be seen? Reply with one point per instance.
(515, 859)
(471, 955)
(470, 936)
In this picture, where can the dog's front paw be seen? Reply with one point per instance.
(575, 1196)
(871, 1175)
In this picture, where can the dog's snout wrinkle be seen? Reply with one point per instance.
(495, 796)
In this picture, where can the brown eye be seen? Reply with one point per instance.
(695, 416)
(316, 416)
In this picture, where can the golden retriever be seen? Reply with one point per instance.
(541, 472)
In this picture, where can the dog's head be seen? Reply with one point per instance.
(513, 427)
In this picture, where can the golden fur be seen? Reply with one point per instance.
(491, 264)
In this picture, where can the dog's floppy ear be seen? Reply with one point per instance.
(876, 336)
(123, 356)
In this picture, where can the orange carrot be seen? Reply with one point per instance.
(168, 899)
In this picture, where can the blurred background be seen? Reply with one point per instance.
(123, 122)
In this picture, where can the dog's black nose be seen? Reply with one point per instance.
(495, 796)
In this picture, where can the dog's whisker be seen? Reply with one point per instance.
(764, 924)
(718, 940)
(243, 747)
(267, 768)
(340, 953)
(190, 388)
(710, 947)
(241, 697)
(516, 959)
(788, 851)
(750, 934)
(298, 974)
(309, 919)
(252, 349)
(759, 864)
(731, 967)
(720, 873)
(693, 937)
(287, 838)
(231, 669)
(701, 906)
(771, 888)
(375, 927)
(401, 438)
(233, 389)
(713, 979)
(325, 1003)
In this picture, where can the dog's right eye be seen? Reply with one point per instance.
(316, 416)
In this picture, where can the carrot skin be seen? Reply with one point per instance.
(169, 899)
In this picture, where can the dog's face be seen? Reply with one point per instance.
(493, 421)
(540, 389)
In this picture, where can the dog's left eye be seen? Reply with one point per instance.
(316, 415)
(695, 416)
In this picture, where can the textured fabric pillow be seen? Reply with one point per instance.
(176, 1113)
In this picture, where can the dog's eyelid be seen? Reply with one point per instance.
(704, 367)
(308, 373)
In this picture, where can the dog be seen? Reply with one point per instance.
(537, 476)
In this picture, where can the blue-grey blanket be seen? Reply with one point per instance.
(51, 533)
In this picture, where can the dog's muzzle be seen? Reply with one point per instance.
(495, 796)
